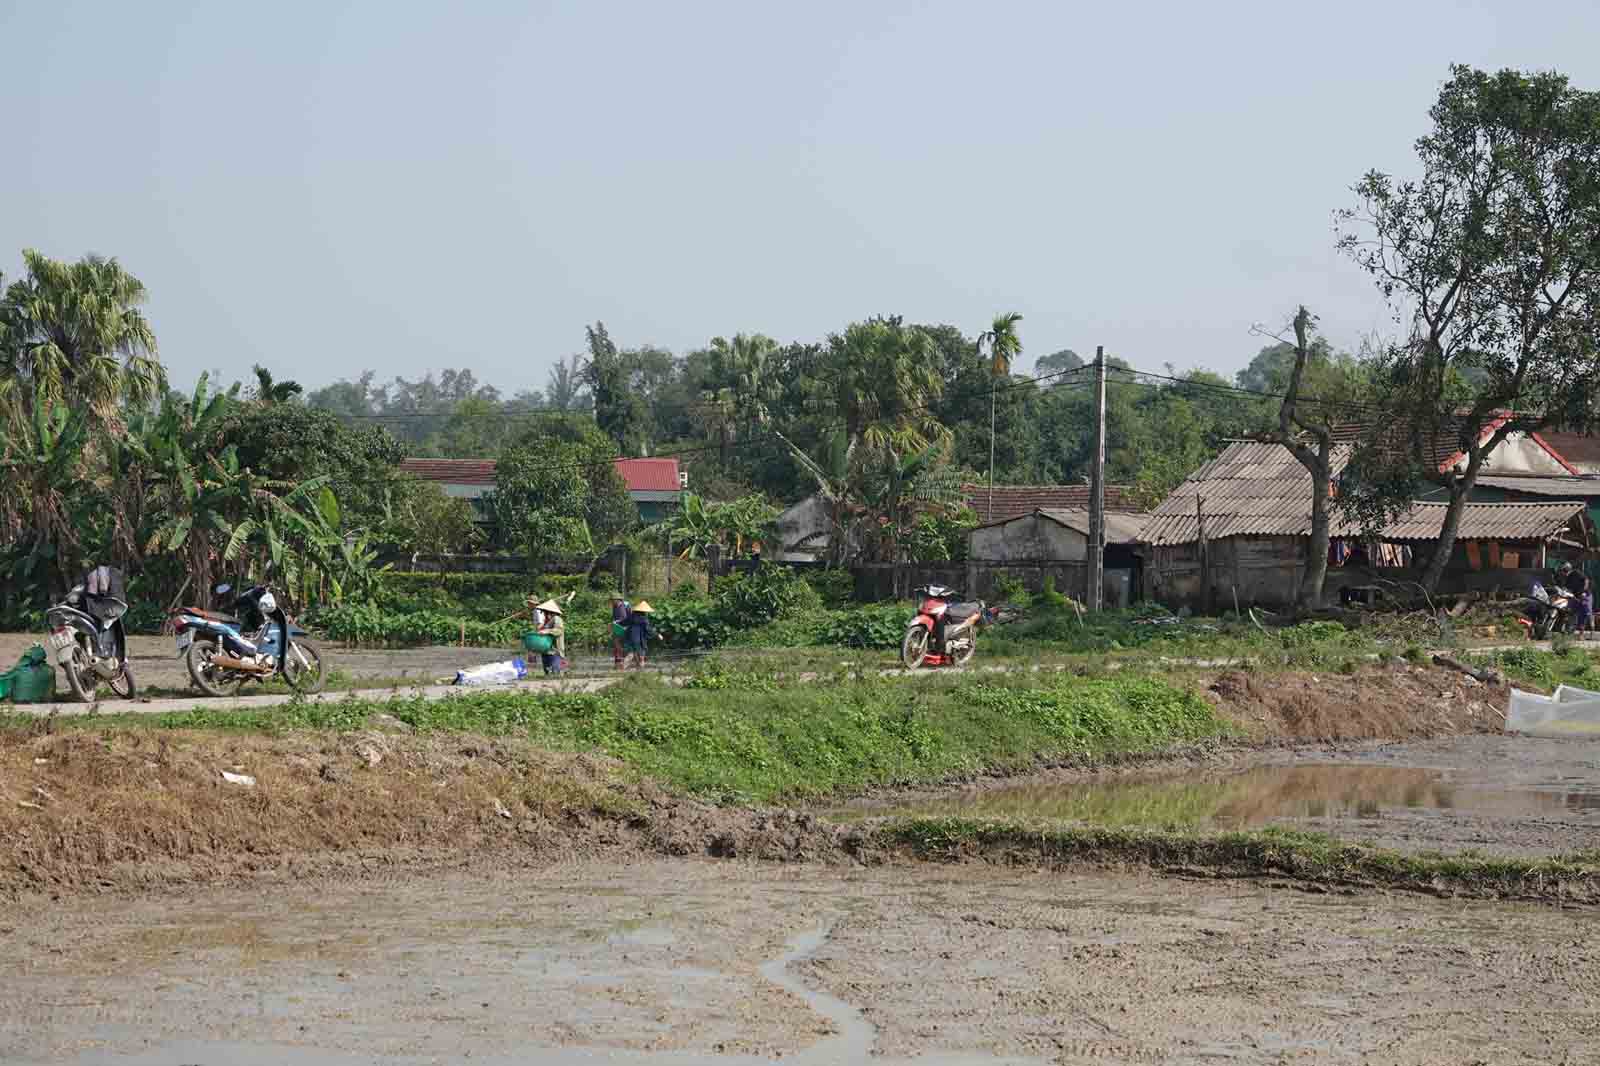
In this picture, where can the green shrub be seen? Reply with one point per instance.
(878, 625)
(755, 597)
(690, 624)
(837, 587)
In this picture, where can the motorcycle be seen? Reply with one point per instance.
(220, 657)
(943, 633)
(87, 639)
(1545, 612)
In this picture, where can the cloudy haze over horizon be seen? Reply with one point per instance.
(327, 188)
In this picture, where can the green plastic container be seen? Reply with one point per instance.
(618, 630)
(537, 642)
(32, 680)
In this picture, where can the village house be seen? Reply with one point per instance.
(1054, 542)
(803, 526)
(1239, 528)
(655, 486)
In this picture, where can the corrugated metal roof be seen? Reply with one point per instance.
(1564, 487)
(1251, 489)
(1121, 527)
(1487, 521)
(1010, 501)
(1261, 490)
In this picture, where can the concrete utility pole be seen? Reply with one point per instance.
(1096, 579)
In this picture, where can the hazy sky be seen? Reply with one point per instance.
(326, 187)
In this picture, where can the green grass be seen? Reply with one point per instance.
(1272, 851)
(1533, 668)
(741, 738)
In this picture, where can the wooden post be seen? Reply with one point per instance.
(1094, 594)
(669, 561)
(1205, 554)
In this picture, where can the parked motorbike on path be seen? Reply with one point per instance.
(1545, 612)
(220, 656)
(943, 632)
(87, 639)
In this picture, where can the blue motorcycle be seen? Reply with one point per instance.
(221, 656)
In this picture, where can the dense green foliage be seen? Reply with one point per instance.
(557, 493)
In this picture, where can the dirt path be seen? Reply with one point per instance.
(675, 962)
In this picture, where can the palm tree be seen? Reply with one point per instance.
(882, 378)
(739, 386)
(1004, 346)
(269, 392)
(74, 333)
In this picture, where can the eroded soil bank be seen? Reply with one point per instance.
(679, 961)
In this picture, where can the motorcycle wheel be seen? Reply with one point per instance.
(80, 679)
(914, 647)
(964, 656)
(1547, 623)
(310, 676)
(208, 677)
(123, 684)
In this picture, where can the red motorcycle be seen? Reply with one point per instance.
(943, 632)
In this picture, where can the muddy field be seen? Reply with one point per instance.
(1498, 795)
(677, 961)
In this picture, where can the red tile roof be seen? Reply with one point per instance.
(640, 475)
(453, 471)
(1442, 446)
(1013, 500)
(649, 475)
(1578, 449)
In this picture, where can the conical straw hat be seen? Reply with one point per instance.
(550, 605)
(643, 607)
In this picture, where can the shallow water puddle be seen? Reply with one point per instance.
(1330, 792)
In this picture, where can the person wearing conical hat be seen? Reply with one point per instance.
(620, 609)
(636, 637)
(553, 626)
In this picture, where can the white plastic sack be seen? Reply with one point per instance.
(493, 673)
(1571, 712)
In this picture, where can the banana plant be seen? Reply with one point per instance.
(46, 499)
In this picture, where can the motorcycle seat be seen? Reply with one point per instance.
(212, 616)
(960, 612)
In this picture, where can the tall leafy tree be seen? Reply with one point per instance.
(738, 386)
(1491, 258)
(619, 411)
(564, 389)
(75, 333)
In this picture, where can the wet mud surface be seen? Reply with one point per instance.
(1486, 792)
(675, 961)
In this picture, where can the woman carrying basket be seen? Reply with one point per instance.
(550, 624)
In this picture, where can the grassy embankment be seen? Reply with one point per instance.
(742, 737)
(735, 738)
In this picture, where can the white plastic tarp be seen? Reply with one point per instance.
(505, 673)
(1571, 712)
